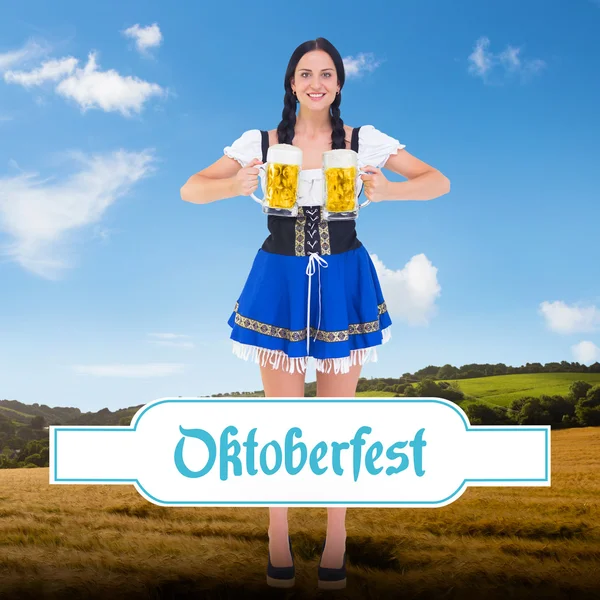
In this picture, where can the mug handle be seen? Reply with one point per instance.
(366, 202)
(259, 167)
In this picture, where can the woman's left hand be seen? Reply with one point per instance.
(376, 184)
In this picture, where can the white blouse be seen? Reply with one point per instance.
(374, 148)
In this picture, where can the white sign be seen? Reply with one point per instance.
(376, 452)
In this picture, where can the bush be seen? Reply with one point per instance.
(533, 413)
(35, 459)
(480, 414)
(587, 409)
(557, 407)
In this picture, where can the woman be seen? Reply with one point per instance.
(347, 312)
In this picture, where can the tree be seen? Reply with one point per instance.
(533, 413)
(33, 447)
(578, 389)
(450, 391)
(588, 408)
(6, 425)
(557, 407)
(427, 388)
(447, 372)
(410, 391)
(517, 405)
(480, 414)
(38, 422)
(35, 459)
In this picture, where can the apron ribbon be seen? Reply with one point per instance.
(313, 258)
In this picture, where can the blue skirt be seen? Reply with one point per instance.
(338, 294)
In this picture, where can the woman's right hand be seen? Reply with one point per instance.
(246, 179)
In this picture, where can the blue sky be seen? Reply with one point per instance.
(115, 292)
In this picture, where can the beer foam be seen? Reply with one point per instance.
(340, 158)
(284, 154)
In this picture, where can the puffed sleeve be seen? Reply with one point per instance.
(246, 147)
(375, 147)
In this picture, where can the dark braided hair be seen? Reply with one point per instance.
(286, 128)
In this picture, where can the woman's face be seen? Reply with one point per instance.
(315, 73)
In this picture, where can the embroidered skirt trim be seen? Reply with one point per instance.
(277, 358)
(299, 335)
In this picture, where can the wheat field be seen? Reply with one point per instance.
(98, 541)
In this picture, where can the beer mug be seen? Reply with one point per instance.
(282, 174)
(341, 181)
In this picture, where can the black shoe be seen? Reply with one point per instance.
(282, 577)
(332, 579)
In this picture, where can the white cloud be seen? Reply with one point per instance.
(482, 61)
(39, 214)
(30, 51)
(169, 336)
(51, 70)
(364, 62)
(562, 318)
(143, 371)
(170, 340)
(188, 345)
(89, 87)
(145, 37)
(410, 293)
(107, 90)
(586, 352)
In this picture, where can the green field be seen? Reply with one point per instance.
(501, 390)
(10, 413)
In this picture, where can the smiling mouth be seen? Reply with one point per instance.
(315, 97)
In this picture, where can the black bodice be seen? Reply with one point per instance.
(308, 232)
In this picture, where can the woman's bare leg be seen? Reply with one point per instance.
(281, 384)
(330, 385)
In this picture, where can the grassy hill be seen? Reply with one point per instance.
(501, 390)
(562, 400)
(16, 415)
(21, 414)
(497, 390)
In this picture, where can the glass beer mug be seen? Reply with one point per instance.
(341, 185)
(282, 174)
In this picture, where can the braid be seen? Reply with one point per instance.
(286, 128)
(338, 135)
